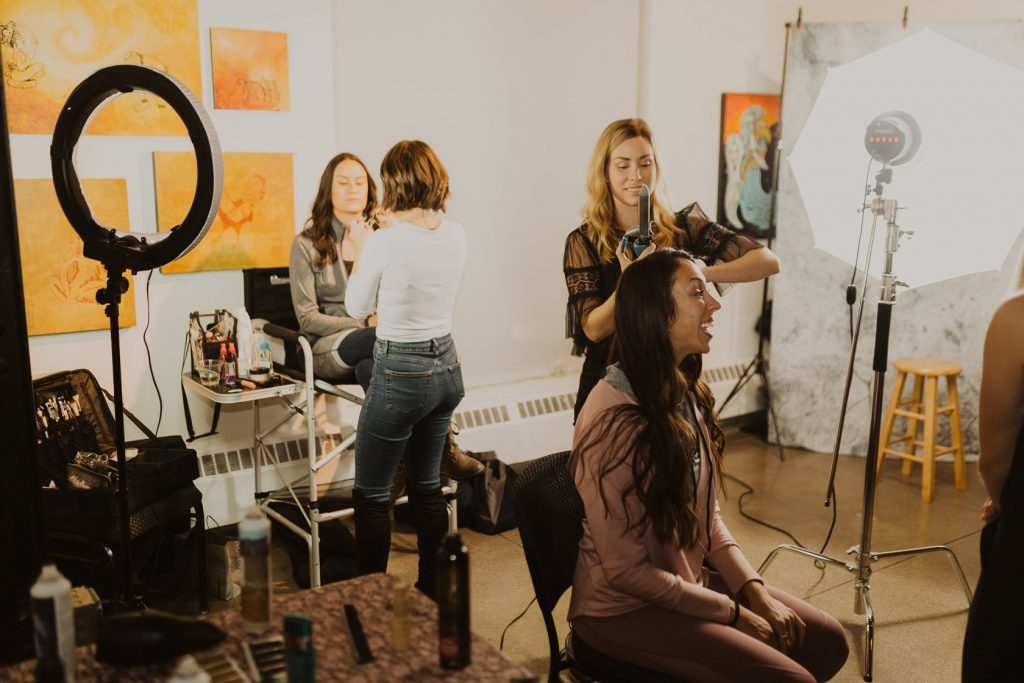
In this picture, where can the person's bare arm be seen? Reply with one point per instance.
(756, 264)
(1001, 409)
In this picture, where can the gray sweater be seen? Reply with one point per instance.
(318, 292)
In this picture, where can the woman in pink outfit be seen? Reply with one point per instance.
(659, 580)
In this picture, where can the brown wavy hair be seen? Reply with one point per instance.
(654, 436)
(599, 209)
(318, 225)
(413, 178)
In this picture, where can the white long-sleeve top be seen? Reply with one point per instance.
(412, 273)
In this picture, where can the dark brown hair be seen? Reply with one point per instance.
(656, 438)
(412, 177)
(318, 225)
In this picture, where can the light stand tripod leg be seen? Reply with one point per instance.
(769, 399)
(806, 553)
(932, 549)
(864, 601)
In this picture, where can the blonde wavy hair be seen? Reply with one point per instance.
(599, 209)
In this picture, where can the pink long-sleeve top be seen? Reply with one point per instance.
(619, 570)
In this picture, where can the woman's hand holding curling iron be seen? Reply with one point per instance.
(788, 629)
(625, 262)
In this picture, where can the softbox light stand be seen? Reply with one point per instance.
(864, 557)
(121, 251)
(758, 365)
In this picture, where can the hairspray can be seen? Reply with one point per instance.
(254, 534)
(453, 603)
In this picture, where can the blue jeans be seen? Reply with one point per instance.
(413, 393)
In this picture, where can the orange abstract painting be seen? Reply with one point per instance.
(250, 69)
(50, 46)
(60, 283)
(255, 221)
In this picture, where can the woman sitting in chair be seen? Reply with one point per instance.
(659, 581)
(322, 258)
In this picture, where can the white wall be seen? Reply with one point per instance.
(511, 96)
(307, 131)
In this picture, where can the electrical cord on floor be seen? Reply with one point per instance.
(749, 491)
(832, 526)
(501, 644)
(149, 357)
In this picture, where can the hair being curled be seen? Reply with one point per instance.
(599, 209)
(652, 434)
(318, 225)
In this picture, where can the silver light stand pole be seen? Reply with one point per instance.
(863, 556)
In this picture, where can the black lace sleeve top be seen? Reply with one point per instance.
(590, 281)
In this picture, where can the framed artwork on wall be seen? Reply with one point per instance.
(255, 221)
(60, 283)
(250, 69)
(746, 165)
(50, 46)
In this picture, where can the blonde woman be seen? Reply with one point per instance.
(994, 627)
(624, 160)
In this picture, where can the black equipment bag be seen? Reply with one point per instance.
(72, 414)
(487, 502)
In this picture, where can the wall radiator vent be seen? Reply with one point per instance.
(293, 450)
(546, 405)
(723, 373)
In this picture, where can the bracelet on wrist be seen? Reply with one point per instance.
(736, 612)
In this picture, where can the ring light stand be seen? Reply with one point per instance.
(121, 251)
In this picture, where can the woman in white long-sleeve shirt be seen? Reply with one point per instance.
(410, 271)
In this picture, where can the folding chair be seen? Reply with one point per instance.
(268, 297)
(550, 516)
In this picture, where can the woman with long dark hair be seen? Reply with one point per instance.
(624, 159)
(321, 262)
(659, 580)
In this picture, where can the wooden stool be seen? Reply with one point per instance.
(922, 408)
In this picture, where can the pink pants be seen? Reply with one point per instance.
(700, 650)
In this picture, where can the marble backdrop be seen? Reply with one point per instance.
(811, 326)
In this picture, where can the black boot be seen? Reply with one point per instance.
(373, 534)
(430, 517)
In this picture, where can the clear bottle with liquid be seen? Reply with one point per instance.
(53, 626)
(453, 603)
(254, 537)
(264, 358)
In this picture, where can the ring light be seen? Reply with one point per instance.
(110, 246)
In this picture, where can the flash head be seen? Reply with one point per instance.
(893, 138)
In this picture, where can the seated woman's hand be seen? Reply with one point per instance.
(755, 627)
(787, 627)
(360, 232)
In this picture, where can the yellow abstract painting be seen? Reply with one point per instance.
(60, 283)
(250, 69)
(50, 46)
(255, 221)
